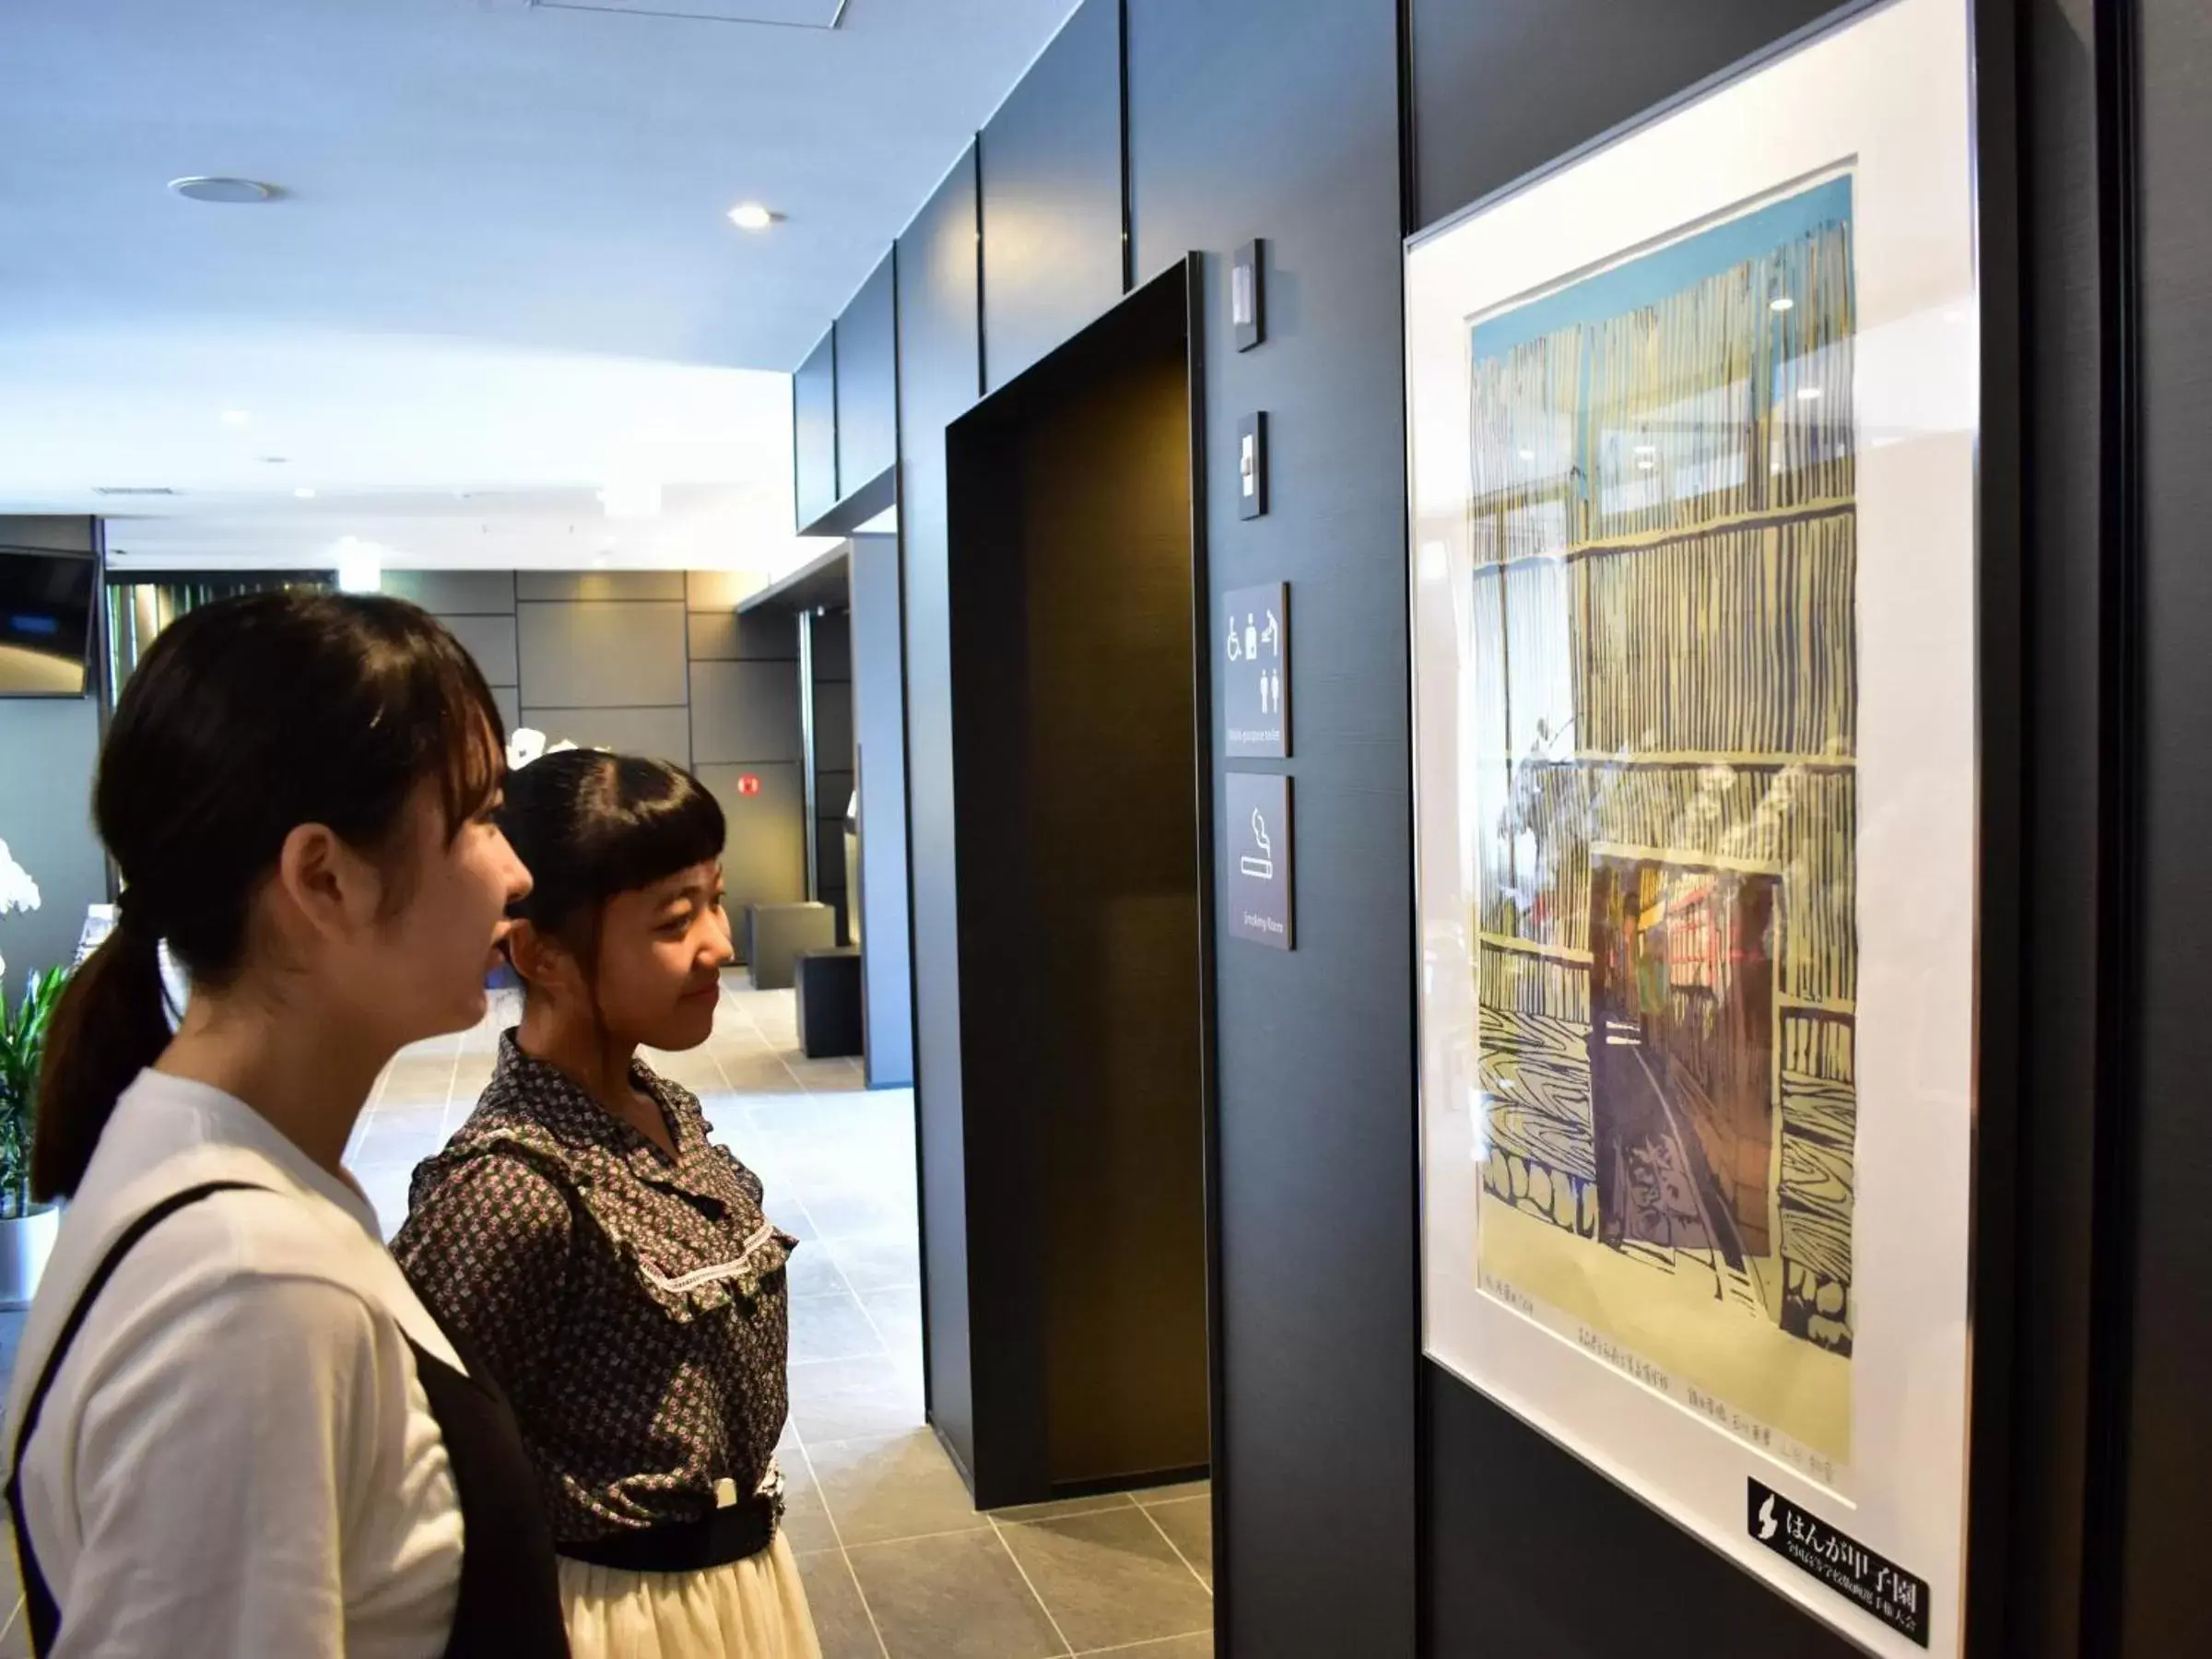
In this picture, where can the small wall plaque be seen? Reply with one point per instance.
(1252, 466)
(1253, 659)
(1247, 299)
(1256, 835)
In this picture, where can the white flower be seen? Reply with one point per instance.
(524, 743)
(17, 890)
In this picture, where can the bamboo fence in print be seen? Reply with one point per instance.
(1665, 703)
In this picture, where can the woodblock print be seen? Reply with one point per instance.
(1663, 706)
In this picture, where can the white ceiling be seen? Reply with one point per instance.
(500, 264)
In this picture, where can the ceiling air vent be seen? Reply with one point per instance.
(776, 13)
(132, 489)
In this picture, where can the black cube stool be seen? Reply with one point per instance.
(829, 1003)
(775, 935)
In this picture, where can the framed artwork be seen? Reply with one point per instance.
(1693, 425)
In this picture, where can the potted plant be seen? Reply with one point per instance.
(26, 1229)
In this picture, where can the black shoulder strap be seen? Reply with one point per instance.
(39, 1610)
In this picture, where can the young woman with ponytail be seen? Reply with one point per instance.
(233, 1428)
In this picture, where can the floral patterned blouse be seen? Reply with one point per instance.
(632, 1306)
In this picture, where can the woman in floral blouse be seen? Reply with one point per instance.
(613, 1267)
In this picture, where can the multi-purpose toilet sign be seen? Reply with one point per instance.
(1253, 659)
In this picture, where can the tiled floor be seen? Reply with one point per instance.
(898, 1563)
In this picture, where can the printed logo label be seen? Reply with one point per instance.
(1898, 1598)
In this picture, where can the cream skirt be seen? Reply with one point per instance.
(751, 1609)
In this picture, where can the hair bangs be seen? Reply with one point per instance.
(667, 823)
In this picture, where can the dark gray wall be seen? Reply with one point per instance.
(814, 431)
(49, 750)
(1256, 119)
(940, 370)
(867, 392)
(879, 746)
(1488, 104)
(2169, 1449)
(1051, 183)
(830, 661)
(652, 663)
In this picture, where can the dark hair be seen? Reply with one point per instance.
(245, 719)
(588, 825)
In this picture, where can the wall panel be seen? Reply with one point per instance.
(879, 718)
(867, 393)
(1501, 88)
(814, 431)
(591, 656)
(1280, 120)
(2169, 1451)
(1052, 185)
(939, 370)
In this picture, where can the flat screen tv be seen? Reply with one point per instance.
(45, 622)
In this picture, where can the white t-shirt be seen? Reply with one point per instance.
(237, 1456)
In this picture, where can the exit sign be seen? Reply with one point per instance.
(750, 784)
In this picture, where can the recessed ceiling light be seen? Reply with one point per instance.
(1528, 455)
(1647, 449)
(236, 418)
(1807, 394)
(306, 492)
(202, 188)
(1782, 304)
(752, 215)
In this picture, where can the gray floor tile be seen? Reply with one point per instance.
(1060, 1507)
(897, 1316)
(829, 1077)
(1109, 1579)
(902, 1486)
(386, 1186)
(885, 1260)
(759, 1073)
(472, 1077)
(830, 1327)
(841, 1618)
(1189, 1524)
(1173, 1494)
(805, 1522)
(856, 1399)
(1198, 1646)
(414, 1081)
(812, 1271)
(954, 1597)
(384, 1142)
(840, 1213)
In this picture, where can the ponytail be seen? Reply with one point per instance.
(112, 1023)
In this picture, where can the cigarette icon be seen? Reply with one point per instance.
(1263, 866)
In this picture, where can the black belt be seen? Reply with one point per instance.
(734, 1533)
